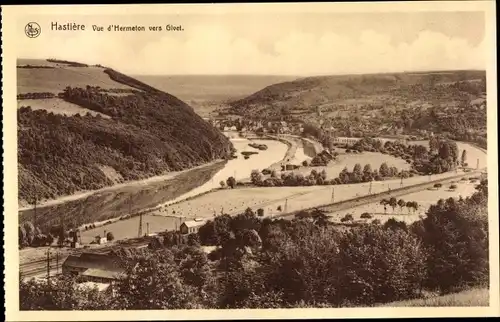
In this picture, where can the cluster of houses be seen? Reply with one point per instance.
(105, 269)
(274, 127)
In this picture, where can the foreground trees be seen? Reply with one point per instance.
(296, 263)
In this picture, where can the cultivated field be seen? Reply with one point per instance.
(57, 106)
(54, 80)
(375, 159)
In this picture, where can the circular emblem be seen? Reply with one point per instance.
(32, 30)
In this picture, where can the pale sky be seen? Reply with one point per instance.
(278, 44)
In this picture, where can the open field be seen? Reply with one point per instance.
(54, 80)
(375, 159)
(234, 201)
(469, 298)
(425, 198)
(57, 106)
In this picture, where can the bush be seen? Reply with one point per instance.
(366, 215)
(453, 187)
(109, 236)
(438, 185)
(260, 212)
(347, 218)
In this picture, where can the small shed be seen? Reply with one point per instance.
(191, 226)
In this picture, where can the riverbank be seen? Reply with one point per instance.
(109, 204)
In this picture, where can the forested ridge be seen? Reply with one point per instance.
(149, 133)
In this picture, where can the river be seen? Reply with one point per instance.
(240, 168)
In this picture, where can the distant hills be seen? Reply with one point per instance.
(443, 101)
(84, 127)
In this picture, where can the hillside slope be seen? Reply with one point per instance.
(136, 131)
(353, 105)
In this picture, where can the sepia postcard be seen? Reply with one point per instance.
(244, 161)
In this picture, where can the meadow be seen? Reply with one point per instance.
(55, 80)
(57, 106)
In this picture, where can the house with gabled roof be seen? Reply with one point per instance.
(95, 267)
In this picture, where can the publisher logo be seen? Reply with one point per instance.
(32, 30)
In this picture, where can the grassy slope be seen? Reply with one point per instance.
(472, 297)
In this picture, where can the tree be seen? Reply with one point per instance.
(274, 174)
(222, 184)
(386, 246)
(433, 144)
(384, 170)
(347, 217)
(154, 282)
(384, 202)
(401, 204)
(110, 236)
(393, 203)
(260, 212)
(456, 236)
(409, 205)
(231, 182)
(255, 177)
(463, 159)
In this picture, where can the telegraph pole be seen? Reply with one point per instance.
(57, 262)
(48, 264)
(370, 192)
(140, 226)
(401, 184)
(333, 195)
(477, 164)
(286, 205)
(34, 224)
(147, 228)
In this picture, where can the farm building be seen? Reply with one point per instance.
(191, 226)
(93, 267)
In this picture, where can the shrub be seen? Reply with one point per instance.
(366, 215)
(110, 236)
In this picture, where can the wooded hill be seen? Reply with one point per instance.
(378, 104)
(148, 133)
